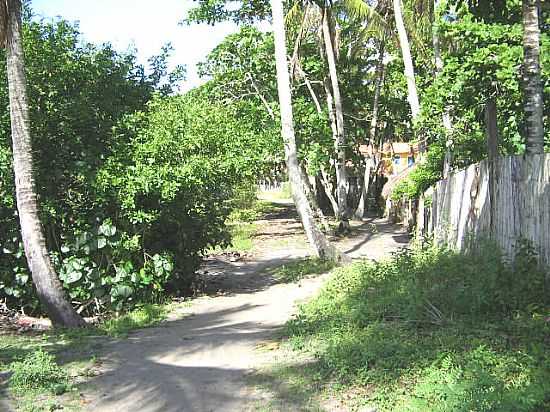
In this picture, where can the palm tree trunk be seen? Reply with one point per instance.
(532, 89)
(412, 96)
(446, 117)
(316, 238)
(340, 138)
(370, 163)
(48, 286)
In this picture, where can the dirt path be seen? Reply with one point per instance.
(199, 359)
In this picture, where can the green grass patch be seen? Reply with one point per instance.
(143, 317)
(251, 212)
(242, 225)
(285, 193)
(301, 268)
(242, 236)
(38, 371)
(428, 330)
(47, 368)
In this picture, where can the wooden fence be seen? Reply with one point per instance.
(506, 200)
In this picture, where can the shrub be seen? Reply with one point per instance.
(132, 200)
(77, 93)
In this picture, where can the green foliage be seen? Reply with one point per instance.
(215, 11)
(97, 268)
(245, 206)
(479, 380)
(421, 178)
(174, 180)
(482, 60)
(134, 185)
(431, 329)
(77, 93)
(38, 371)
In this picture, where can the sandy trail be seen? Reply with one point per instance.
(199, 361)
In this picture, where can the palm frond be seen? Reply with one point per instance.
(295, 14)
(360, 9)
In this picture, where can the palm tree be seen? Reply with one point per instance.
(532, 89)
(370, 162)
(329, 50)
(438, 63)
(48, 286)
(316, 238)
(412, 96)
(338, 116)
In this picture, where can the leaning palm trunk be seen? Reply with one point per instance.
(316, 238)
(412, 96)
(370, 162)
(48, 286)
(532, 88)
(340, 138)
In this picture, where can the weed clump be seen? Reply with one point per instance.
(38, 371)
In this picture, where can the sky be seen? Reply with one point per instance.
(145, 24)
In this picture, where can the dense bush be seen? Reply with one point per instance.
(77, 93)
(432, 329)
(134, 185)
(171, 186)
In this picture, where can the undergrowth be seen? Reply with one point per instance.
(301, 268)
(430, 330)
(145, 316)
(38, 371)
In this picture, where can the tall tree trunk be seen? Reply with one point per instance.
(412, 96)
(532, 89)
(327, 186)
(370, 162)
(48, 286)
(446, 117)
(340, 138)
(316, 238)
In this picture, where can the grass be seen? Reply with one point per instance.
(301, 268)
(48, 368)
(284, 193)
(429, 330)
(242, 224)
(143, 317)
(242, 234)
